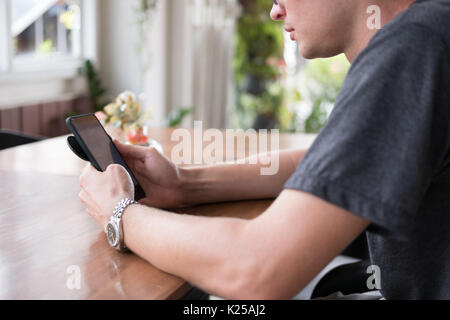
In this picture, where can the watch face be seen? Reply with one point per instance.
(112, 234)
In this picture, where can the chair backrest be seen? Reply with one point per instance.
(9, 139)
(348, 279)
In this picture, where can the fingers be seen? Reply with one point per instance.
(136, 152)
(88, 172)
(84, 200)
(122, 174)
(116, 168)
(139, 166)
(82, 196)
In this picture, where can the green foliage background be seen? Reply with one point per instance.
(323, 80)
(259, 40)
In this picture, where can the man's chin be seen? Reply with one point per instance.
(312, 53)
(305, 52)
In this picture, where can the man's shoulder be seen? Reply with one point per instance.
(431, 16)
(420, 31)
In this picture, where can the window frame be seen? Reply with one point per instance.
(62, 69)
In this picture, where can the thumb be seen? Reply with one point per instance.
(130, 151)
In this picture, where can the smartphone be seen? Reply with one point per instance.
(98, 147)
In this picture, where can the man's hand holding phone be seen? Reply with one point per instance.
(101, 191)
(160, 178)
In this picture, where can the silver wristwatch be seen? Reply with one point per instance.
(114, 228)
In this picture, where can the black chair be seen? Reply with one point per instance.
(9, 139)
(348, 278)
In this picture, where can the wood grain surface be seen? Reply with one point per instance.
(44, 230)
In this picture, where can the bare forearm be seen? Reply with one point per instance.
(189, 247)
(270, 257)
(232, 182)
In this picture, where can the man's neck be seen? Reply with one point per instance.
(363, 34)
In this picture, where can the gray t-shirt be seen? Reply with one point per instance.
(384, 153)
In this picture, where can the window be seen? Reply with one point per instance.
(46, 34)
(43, 42)
(44, 29)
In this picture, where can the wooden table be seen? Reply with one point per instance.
(44, 230)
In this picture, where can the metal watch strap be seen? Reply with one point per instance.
(117, 213)
(121, 206)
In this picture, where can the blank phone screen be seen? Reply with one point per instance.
(98, 142)
(101, 147)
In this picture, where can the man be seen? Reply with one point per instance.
(381, 165)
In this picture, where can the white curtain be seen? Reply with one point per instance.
(213, 28)
(192, 54)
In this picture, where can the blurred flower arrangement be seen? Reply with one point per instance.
(126, 114)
